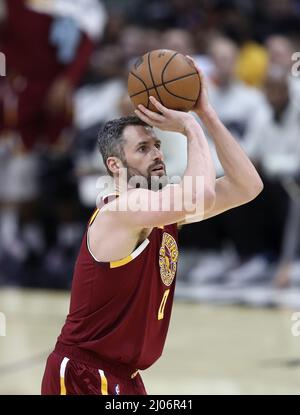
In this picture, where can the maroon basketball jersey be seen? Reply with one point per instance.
(120, 311)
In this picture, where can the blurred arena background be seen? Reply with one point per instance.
(233, 329)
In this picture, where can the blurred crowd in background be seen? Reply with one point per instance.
(67, 63)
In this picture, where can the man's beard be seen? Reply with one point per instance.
(150, 182)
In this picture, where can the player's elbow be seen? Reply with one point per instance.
(254, 189)
(259, 186)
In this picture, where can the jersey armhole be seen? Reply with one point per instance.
(115, 264)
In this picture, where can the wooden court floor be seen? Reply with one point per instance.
(210, 350)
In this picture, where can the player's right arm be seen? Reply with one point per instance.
(142, 208)
(241, 182)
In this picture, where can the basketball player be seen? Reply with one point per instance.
(124, 277)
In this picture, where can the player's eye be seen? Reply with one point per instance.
(142, 149)
(158, 145)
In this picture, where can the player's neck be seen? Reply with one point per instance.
(120, 188)
(122, 185)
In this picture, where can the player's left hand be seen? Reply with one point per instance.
(202, 105)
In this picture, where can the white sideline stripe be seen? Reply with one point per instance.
(63, 366)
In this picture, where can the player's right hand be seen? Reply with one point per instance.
(168, 120)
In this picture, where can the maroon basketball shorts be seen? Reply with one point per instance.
(64, 376)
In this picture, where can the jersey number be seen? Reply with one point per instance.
(163, 305)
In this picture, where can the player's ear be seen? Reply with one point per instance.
(113, 164)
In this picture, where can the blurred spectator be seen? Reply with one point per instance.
(257, 240)
(237, 104)
(41, 78)
(286, 273)
(47, 46)
(252, 64)
(274, 145)
(256, 230)
(178, 39)
(280, 50)
(239, 25)
(274, 141)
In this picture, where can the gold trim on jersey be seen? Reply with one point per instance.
(129, 258)
(99, 209)
(62, 371)
(124, 261)
(134, 254)
(104, 386)
(94, 216)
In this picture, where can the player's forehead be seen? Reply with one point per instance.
(136, 134)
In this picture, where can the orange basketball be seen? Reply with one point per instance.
(168, 76)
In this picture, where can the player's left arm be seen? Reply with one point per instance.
(241, 183)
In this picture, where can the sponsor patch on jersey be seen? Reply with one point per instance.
(168, 257)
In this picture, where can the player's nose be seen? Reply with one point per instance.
(157, 154)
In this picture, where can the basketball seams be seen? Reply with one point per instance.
(166, 65)
(171, 93)
(164, 83)
(178, 96)
(157, 86)
(143, 82)
(150, 71)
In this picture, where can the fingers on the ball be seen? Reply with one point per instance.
(190, 58)
(158, 105)
(193, 61)
(196, 65)
(153, 115)
(144, 117)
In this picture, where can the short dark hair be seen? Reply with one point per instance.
(110, 137)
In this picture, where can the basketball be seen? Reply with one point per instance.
(168, 76)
